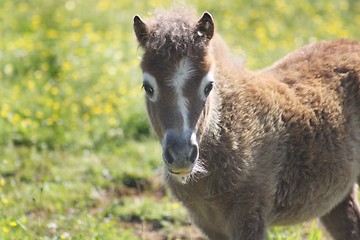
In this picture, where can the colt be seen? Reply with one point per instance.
(245, 150)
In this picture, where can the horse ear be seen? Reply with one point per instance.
(141, 31)
(205, 27)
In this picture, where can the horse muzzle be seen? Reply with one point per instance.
(180, 152)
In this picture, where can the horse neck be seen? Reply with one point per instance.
(227, 63)
(210, 124)
(230, 76)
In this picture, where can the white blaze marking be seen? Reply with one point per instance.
(183, 72)
(150, 79)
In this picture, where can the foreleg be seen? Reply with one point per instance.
(343, 221)
(248, 226)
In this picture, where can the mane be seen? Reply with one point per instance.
(171, 32)
(226, 59)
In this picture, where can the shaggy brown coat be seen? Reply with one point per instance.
(282, 145)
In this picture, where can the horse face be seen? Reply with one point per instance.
(177, 87)
(176, 98)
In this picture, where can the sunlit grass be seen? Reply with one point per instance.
(56, 194)
(77, 160)
(69, 74)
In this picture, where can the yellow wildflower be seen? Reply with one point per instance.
(35, 21)
(88, 101)
(23, 7)
(65, 235)
(74, 108)
(112, 121)
(66, 66)
(26, 122)
(45, 66)
(93, 37)
(103, 5)
(75, 75)
(75, 36)
(54, 90)
(5, 201)
(5, 110)
(38, 74)
(97, 110)
(49, 122)
(88, 127)
(111, 70)
(86, 117)
(88, 27)
(27, 112)
(2, 182)
(15, 119)
(344, 5)
(56, 106)
(40, 115)
(31, 84)
(108, 109)
(175, 205)
(13, 224)
(80, 52)
(75, 22)
(52, 33)
(69, 90)
(55, 117)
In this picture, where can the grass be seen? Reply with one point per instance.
(77, 159)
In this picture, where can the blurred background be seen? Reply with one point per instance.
(77, 156)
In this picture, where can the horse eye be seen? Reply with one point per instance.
(208, 88)
(148, 89)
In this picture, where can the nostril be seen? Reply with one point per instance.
(194, 153)
(168, 156)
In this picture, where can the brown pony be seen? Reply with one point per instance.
(246, 150)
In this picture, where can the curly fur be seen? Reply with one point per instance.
(171, 32)
(282, 145)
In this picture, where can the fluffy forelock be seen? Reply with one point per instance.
(172, 32)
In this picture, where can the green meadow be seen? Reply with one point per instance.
(78, 159)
